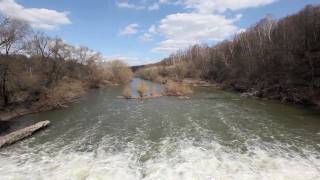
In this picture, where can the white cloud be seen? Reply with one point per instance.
(173, 2)
(170, 45)
(150, 5)
(148, 36)
(152, 29)
(163, 1)
(154, 6)
(38, 18)
(126, 4)
(212, 6)
(203, 22)
(138, 6)
(241, 31)
(130, 29)
(184, 29)
(130, 60)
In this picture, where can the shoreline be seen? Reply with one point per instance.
(18, 111)
(13, 112)
(9, 115)
(245, 93)
(7, 118)
(37, 107)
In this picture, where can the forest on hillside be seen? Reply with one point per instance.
(275, 59)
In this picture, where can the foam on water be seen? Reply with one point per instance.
(183, 160)
(218, 138)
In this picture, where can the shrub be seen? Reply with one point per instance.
(142, 89)
(127, 93)
(158, 74)
(64, 91)
(117, 72)
(180, 70)
(149, 74)
(175, 89)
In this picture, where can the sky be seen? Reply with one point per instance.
(145, 31)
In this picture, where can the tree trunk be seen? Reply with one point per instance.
(22, 133)
(4, 85)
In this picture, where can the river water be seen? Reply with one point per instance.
(214, 135)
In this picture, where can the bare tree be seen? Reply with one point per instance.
(277, 58)
(12, 34)
(82, 54)
(39, 45)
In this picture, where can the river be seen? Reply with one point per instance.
(213, 135)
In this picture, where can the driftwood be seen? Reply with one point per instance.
(22, 133)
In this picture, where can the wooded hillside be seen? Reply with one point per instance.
(277, 59)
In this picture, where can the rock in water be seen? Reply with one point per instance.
(22, 133)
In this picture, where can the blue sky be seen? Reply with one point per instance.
(144, 31)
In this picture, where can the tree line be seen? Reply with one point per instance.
(35, 67)
(276, 59)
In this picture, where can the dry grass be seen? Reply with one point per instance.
(175, 89)
(117, 72)
(127, 92)
(151, 74)
(142, 89)
(161, 73)
(64, 91)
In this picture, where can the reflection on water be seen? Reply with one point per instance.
(214, 135)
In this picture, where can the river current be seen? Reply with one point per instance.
(213, 135)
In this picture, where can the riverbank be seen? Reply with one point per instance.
(63, 93)
(295, 97)
(30, 84)
(198, 83)
(17, 111)
(13, 112)
(57, 98)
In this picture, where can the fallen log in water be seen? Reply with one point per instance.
(22, 133)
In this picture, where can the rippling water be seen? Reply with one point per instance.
(214, 135)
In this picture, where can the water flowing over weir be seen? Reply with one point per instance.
(214, 135)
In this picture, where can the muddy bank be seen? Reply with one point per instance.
(10, 113)
(48, 102)
(13, 112)
(7, 118)
(295, 96)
